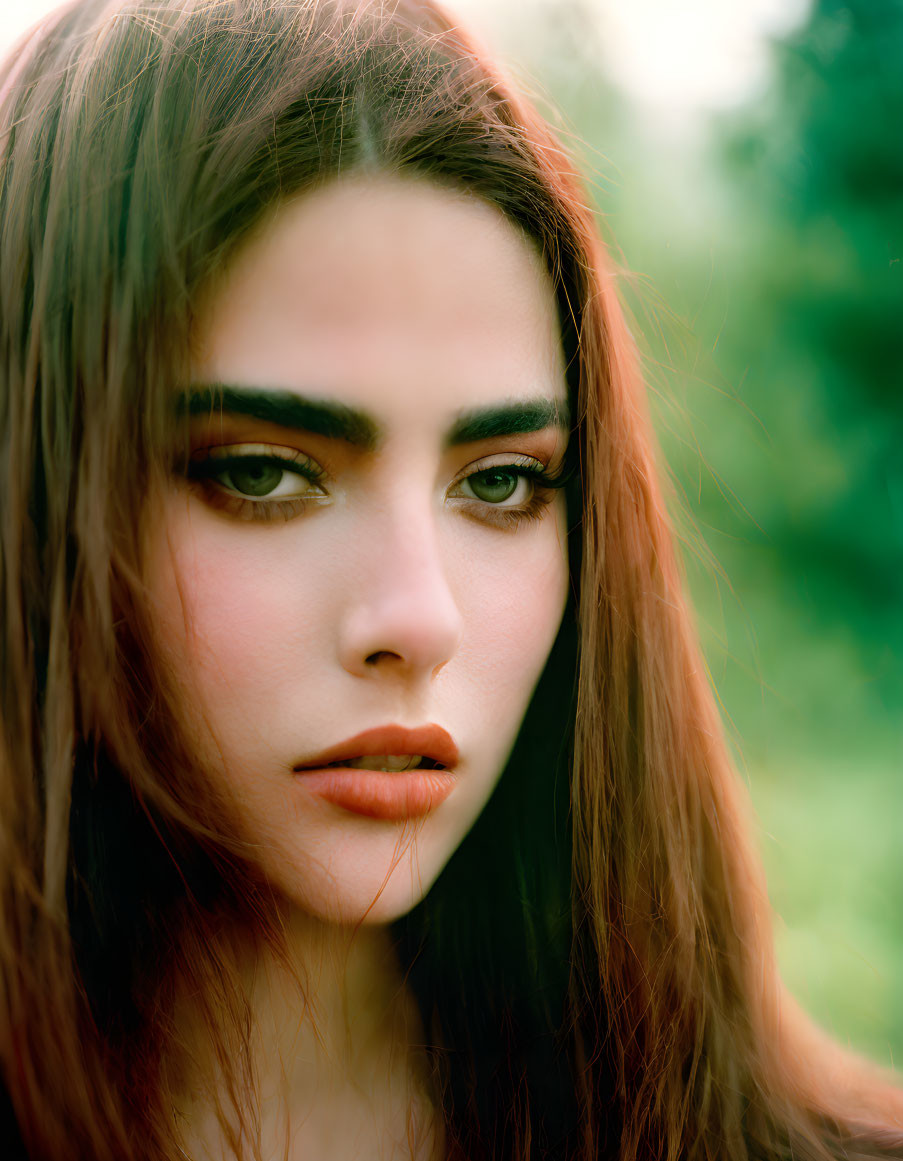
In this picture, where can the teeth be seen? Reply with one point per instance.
(389, 762)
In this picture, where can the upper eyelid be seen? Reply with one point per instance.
(290, 455)
(296, 455)
(503, 460)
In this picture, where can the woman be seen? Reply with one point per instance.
(324, 448)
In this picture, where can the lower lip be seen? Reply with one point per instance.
(385, 794)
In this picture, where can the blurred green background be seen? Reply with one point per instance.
(753, 191)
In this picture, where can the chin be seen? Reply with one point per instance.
(359, 900)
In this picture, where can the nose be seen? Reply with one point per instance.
(402, 618)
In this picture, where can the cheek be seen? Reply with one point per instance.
(222, 612)
(513, 599)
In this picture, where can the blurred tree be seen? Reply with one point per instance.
(814, 339)
(820, 167)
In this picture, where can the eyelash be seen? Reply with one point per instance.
(203, 472)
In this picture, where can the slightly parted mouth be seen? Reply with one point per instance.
(424, 763)
(434, 745)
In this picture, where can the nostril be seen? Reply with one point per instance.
(374, 657)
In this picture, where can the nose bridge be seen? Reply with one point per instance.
(403, 612)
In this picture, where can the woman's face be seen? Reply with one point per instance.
(392, 349)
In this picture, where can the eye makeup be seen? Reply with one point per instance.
(539, 484)
(253, 482)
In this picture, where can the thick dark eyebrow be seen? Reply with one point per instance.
(359, 428)
(285, 409)
(516, 418)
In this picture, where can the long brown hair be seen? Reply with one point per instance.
(595, 967)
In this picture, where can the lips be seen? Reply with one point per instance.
(430, 742)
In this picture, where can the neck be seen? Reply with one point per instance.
(332, 1030)
(333, 1005)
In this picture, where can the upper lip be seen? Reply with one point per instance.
(429, 741)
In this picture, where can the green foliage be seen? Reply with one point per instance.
(816, 176)
(820, 167)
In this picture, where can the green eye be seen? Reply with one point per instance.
(254, 479)
(259, 474)
(493, 485)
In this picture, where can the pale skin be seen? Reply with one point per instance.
(391, 591)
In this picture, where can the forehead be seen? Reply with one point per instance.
(391, 293)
